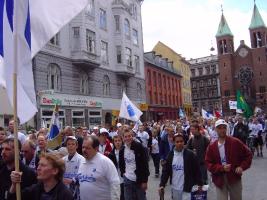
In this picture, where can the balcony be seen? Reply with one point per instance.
(85, 59)
(125, 71)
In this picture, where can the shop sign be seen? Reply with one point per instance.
(143, 106)
(69, 101)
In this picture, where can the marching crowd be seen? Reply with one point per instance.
(113, 163)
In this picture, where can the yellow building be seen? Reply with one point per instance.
(182, 66)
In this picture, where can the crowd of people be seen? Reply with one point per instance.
(112, 163)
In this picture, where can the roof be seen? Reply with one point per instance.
(206, 59)
(223, 28)
(256, 20)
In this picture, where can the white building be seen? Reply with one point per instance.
(88, 64)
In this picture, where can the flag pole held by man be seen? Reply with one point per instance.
(25, 27)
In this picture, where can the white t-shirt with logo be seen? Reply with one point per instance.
(255, 128)
(72, 165)
(96, 177)
(178, 171)
(155, 146)
(130, 164)
(222, 153)
(144, 137)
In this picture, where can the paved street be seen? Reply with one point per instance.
(254, 182)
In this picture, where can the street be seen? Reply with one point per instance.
(253, 180)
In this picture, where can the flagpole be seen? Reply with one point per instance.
(15, 105)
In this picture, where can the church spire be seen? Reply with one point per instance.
(223, 28)
(256, 20)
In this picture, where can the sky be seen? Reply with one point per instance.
(189, 26)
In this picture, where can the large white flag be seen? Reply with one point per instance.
(129, 110)
(36, 23)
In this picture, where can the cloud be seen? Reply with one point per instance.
(189, 27)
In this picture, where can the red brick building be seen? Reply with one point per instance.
(163, 87)
(245, 68)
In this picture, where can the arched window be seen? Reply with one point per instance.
(106, 86)
(54, 77)
(139, 91)
(84, 84)
(127, 28)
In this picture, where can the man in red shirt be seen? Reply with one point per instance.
(226, 159)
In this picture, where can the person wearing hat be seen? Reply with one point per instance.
(226, 159)
(72, 164)
(105, 146)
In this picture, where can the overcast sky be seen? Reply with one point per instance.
(189, 26)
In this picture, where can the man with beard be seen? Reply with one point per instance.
(8, 155)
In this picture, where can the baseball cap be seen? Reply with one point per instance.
(95, 127)
(71, 138)
(103, 130)
(220, 122)
(119, 125)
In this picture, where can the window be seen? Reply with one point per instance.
(123, 87)
(135, 37)
(117, 23)
(84, 84)
(149, 77)
(150, 97)
(139, 91)
(90, 41)
(118, 50)
(127, 28)
(164, 82)
(103, 19)
(137, 64)
(90, 8)
(201, 83)
(54, 77)
(156, 97)
(104, 52)
(207, 70)
(128, 57)
(106, 86)
(262, 89)
(159, 78)
(194, 84)
(227, 93)
(78, 118)
(134, 11)
(55, 40)
(214, 81)
(209, 82)
(213, 69)
(76, 31)
(193, 72)
(200, 71)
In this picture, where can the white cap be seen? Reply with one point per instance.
(95, 127)
(119, 125)
(103, 130)
(71, 138)
(220, 122)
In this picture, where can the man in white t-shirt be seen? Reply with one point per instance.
(97, 175)
(143, 135)
(21, 136)
(256, 131)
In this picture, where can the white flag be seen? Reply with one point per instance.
(129, 110)
(206, 115)
(37, 22)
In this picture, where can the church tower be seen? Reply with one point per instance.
(225, 48)
(257, 29)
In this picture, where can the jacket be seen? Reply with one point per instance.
(27, 179)
(237, 154)
(35, 191)
(192, 175)
(141, 160)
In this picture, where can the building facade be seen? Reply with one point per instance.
(163, 87)
(182, 66)
(87, 65)
(205, 83)
(245, 68)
